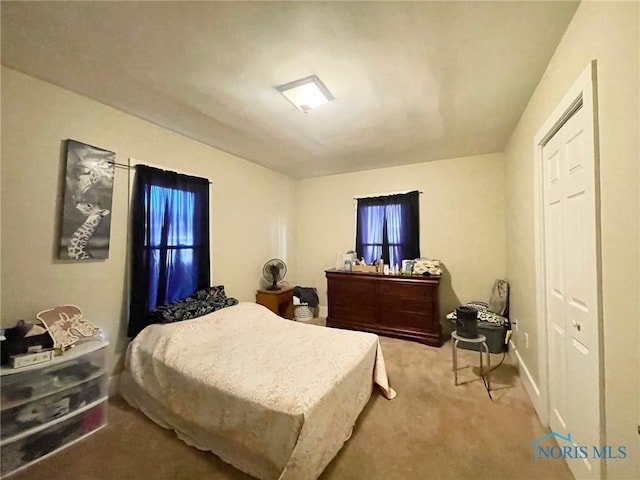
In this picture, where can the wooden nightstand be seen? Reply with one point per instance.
(278, 301)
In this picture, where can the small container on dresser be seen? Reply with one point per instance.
(48, 406)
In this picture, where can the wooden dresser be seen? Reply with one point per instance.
(394, 305)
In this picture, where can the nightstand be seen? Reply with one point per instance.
(278, 301)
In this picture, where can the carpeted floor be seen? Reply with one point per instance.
(432, 430)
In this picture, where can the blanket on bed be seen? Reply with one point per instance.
(275, 398)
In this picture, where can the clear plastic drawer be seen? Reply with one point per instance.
(21, 387)
(42, 442)
(43, 409)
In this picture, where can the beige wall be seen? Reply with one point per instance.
(609, 33)
(461, 221)
(251, 221)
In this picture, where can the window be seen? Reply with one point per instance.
(170, 240)
(388, 227)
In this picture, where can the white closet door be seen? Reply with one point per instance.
(572, 294)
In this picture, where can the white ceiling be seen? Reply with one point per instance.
(412, 81)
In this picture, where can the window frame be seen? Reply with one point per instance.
(407, 245)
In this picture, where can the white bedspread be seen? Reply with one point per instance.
(275, 398)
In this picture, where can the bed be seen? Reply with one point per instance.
(274, 398)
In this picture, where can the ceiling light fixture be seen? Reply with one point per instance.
(306, 93)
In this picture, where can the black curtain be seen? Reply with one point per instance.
(170, 240)
(377, 222)
(410, 203)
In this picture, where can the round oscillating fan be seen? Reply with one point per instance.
(274, 271)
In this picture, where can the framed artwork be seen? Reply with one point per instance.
(88, 194)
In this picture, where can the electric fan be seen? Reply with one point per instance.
(274, 271)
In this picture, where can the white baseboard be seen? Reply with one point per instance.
(114, 385)
(530, 385)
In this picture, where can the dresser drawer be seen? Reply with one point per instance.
(405, 289)
(28, 448)
(23, 386)
(353, 312)
(419, 305)
(40, 410)
(352, 290)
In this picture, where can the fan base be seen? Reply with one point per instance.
(274, 287)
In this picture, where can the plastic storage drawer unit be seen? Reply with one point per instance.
(47, 406)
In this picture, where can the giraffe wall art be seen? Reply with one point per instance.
(86, 220)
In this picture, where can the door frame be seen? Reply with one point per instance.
(582, 92)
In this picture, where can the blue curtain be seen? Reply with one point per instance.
(388, 227)
(394, 227)
(370, 221)
(170, 240)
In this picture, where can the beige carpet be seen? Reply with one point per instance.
(432, 430)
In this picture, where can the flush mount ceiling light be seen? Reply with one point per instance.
(306, 93)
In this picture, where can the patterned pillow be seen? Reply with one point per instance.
(200, 303)
(215, 292)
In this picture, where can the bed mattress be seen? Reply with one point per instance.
(274, 398)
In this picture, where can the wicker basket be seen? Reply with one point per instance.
(302, 313)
